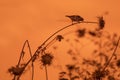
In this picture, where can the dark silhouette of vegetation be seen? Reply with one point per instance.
(75, 18)
(104, 63)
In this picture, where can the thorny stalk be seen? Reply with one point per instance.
(114, 52)
(41, 48)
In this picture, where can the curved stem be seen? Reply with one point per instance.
(26, 42)
(52, 41)
(65, 28)
(22, 51)
(21, 54)
(107, 63)
(40, 47)
(57, 32)
(32, 61)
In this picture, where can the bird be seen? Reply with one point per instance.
(75, 18)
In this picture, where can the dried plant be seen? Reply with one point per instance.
(101, 66)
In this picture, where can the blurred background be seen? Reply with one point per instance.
(36, 20)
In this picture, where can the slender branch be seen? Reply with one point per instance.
(21, 54)
(22, 51)
(52, 41)
(107, 63)
(40, 47)
(89, 22)
(32, 61)
(65, 28)
(46, 72)
(100, 44)
(27, 42)
(57, 32)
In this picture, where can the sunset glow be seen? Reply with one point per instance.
(37, 20)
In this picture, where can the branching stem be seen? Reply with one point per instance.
(41, 46)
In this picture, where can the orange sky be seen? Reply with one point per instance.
(36, 20)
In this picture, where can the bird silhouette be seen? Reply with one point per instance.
(75, 18)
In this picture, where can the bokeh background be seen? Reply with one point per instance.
(35, 20)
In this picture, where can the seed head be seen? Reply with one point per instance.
(16, 70)
(111, 78)
(46, 59)
(70, 67)
(59, 37)
(97, 74)
(101, 22)
(81, 32)
(118, 63)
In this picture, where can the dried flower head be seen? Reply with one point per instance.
(111, 78)
(101, 22)
(16, 70)
(70, 67)
(59, 37)
(46, 59)
(97, 74)
(92, 33)
(118, 63)
(81, 32)
(61, 74)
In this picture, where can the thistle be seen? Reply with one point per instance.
(46, 59)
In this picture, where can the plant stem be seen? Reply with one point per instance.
(63, 29)
(26, 42)
(40, 47)
(107, 63)
(46, 72)
(100, 44)
(22, 52)
(32, 61)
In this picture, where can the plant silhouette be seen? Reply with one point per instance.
(104, 63)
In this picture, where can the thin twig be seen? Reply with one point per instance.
(26, 42)
(65, 28)
(51, 42)
(114, 52)
(22, 53)
(46, 72)
(32, 61)
(40, 47)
